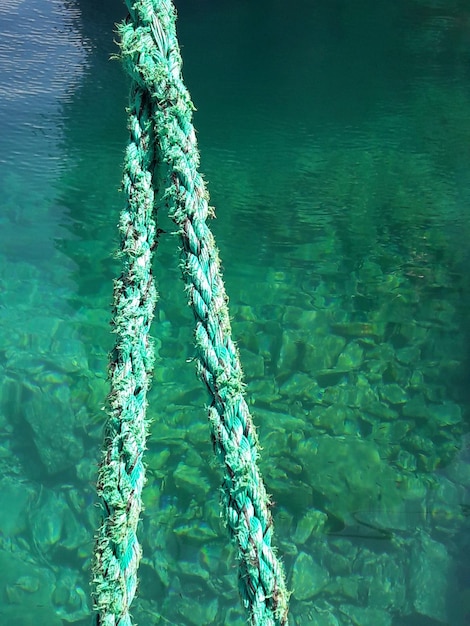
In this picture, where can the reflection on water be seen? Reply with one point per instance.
(336, 150)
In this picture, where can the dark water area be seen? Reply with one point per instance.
(334, 139)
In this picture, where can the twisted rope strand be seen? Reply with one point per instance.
(121, 474)
(157, 67)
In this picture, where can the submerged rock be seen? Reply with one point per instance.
(308, 577)
(416, 408)
(381, 410)
(445, 414)
(323, 615)
(429, 574)
(28, 591)
(191, 480)
(52, 421)
(321, 352)
(393, 394)
(14, 499)
(312, 521)
(30, 616)
(359, 329)
(197, 613)
(47, 520)
(351, 357)
(366, 616)
(336, 419)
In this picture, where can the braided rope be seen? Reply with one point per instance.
(151, 55)
(121, 474)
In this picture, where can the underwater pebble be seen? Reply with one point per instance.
(393, 394)
(303, 386)
(312, 521)
(335, 419)
(288, 548)
(28, 588)
(336, 563)
(253, 364)
(28, 583)
(30, 615)
(459, 472)
(289, 492)
(333, 462)
(445, 414)
(279, 421)
(283, 520)
(234, 617)
(156, 460)
(52, 421)
(74, 532)
(192, 570)
(212, 555)
(351, 358)
(160, 564)
(15, 497)
(386, 585)
(198, 613)
(291, 465)
(87, 469)
(337, 394)
(199, 532)
(321, 353)
(416, 380)
(348, 587)
(434, 392)
(191, 480)
(381, 410)
(308, 577)
(47, 519)
(396, 373)
(416, 489)
(407, 355)
(429, 572)
(70, 599)
(419, 443)
(416, 407)
(366, 616)
(406, 461)
(374, 370)
(310, 616)
(69, 356)
(269, 348)
(264, 390)
(361, 393)
(384, 432)
(358, 329)
(330, 378)
(309, 318)
(444, 506)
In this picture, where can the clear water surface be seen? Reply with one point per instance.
(335, 141)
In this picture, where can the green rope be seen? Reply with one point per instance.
(161, 120)
(151, 56)
(121, 474)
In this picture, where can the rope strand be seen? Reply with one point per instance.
(121, 474)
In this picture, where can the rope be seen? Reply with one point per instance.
(121, 474)
(155, 64)
(162, 106)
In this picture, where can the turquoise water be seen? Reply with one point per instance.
(335, 142)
